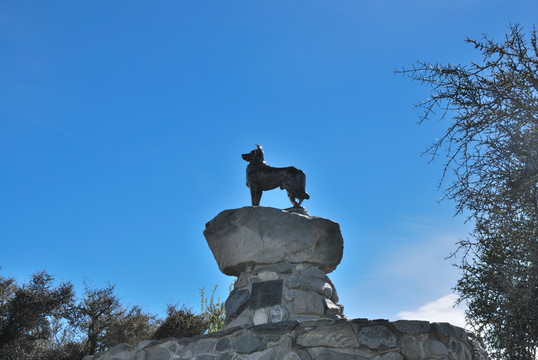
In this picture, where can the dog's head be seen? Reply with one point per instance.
(254, 155)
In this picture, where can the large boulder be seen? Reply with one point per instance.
(261, 235)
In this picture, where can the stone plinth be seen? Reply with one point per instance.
(261, 235)
(284, 306)
(295, 292)
(281, 259)
(358, 339)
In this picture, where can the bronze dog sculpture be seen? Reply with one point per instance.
(262, 177)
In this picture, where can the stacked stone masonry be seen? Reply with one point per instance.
(307, 294)
(284, 254)
(323, 339)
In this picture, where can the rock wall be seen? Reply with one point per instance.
(324, 339)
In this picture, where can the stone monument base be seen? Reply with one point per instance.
(359, 339)
(281, 259)
(280, 292)
(284, 307)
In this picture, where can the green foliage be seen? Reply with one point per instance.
(491, 147)
(94, 313)
(43, 321)
(179, 323)
(132, 326)
(26, 313)
(212, 310)
(105, 322)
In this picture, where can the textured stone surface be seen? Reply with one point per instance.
(332, 309)
(277, 350)
(247, 344)
(277, 314)
(145, 343)
(263, 235)
(260, 317)
(321, 353)
(389, 356)
(281, 328)
(159, 354)
(236, 302)
(203, 346)
(244, 319)
(308, 303)
(377, 337)
(411, 348)
(206, 357)
(298, 355)
(435, 347)
(329, 336)
(412, 326)
(359, 339)
(223, 344)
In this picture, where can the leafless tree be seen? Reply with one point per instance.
(490, 149)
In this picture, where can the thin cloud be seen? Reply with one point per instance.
(402, 274)
(440, 310)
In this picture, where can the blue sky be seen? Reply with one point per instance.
(122, 126)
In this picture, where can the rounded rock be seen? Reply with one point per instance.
(263, 235)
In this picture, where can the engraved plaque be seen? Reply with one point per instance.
(266, 293)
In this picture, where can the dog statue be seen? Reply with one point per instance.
(261, 177)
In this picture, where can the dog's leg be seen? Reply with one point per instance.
(292, 199)
(255, 196)
(259, 196)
